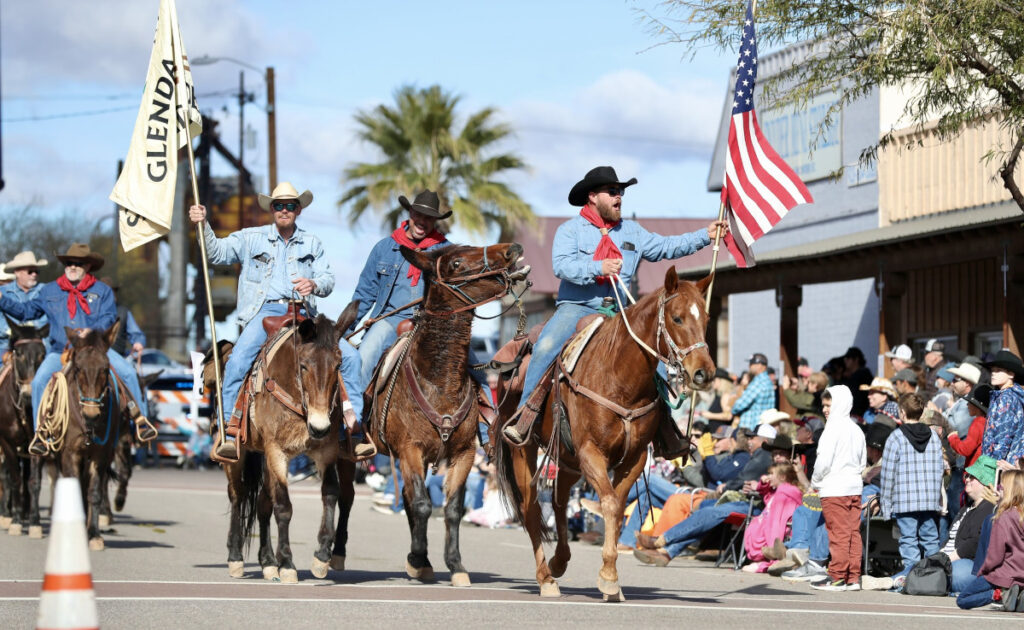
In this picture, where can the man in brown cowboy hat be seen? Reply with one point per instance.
(76, 300)
(25, 271)
(587, 251)
(280, 262)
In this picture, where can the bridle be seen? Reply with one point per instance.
(454, 287)
(14, 363)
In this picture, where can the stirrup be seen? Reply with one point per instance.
(512, 435)
(144, 431)
(38, 447)
(226, 452)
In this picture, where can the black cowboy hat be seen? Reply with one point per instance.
(980, 397)
(780, 442)
(427, 202)
(1008, 361)
(876, 435)
(595, 178)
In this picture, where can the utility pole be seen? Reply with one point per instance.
(271, 129)
(241, 147)
(115, 234)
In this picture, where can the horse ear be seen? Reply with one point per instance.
(671, 280)
(44, 332)
(307, 330)
(704, 283)
(72, 336)
(111, 333)
(149, 379)
(347, 317)
(424, 261)
(15, 328)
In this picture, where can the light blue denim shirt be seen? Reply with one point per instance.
(384, 283)
(572, 256)
(14, 292)
(256, 249)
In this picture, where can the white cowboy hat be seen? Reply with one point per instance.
(879, 384)
(4, 276)
(25, 259)
(283, 191)
(968, 372)
(773, 416)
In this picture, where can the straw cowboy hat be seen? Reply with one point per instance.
(773, 416)
(595, 178)
(4, 276)
(284, 191)
(81, 251)
(427, 202)
(883, 385)
(24, 260)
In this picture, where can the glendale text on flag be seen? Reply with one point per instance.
(145, 188)
(759, 186)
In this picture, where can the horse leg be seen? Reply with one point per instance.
(124, 471)
(417, 510)
(106, 515)
(346, 497)
(96, 480)
(236, 559)
(264, 510)
(6, 496)
(524, 467)
(595, 466)
(277, 484)
(35, 527)
(329, 489)
(454, 509)
(560, 501)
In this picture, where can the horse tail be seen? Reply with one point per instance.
(504, 468)
(252, 485)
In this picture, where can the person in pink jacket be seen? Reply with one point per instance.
(782, 494)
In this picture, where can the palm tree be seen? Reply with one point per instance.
(421, 149)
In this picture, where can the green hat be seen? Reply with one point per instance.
(984, 470)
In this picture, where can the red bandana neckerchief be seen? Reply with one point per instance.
(75, 296)
(606, 248)
(426, 242)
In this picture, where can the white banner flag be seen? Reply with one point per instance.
(145, 189)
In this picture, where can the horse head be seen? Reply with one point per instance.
(318, 360)
(460, 277)
(28, 346)
(89, 376)
(685, 322)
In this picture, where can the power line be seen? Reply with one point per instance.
(109, 110)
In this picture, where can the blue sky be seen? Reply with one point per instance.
(578, 80)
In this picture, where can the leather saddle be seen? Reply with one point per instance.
(274, 323)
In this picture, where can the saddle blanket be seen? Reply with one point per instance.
(574, 347)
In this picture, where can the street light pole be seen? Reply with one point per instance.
(241, 148)
(271, 130)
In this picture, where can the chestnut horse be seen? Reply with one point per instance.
(19, 505)
(307, 373)
(671, 321)
(425, 413)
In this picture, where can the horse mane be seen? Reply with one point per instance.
(323, 334)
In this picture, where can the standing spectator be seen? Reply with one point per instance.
(1001, 575)
(882, 405)
(905, 381)
(758, 397)
(911, 484)
(965, 377)
(855, 375)
(933, 361)
(719, 413)
(1004, 431)
(901, 357)
(969, 446)
(943, 397)
(837, 477)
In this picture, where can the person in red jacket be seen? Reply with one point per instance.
(977, 405)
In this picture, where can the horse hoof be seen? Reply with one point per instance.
(14, 529)
(320, 568)
(5, 522)
(617, 597)
(607, 587)
(557, 567)
(95, 544)
(461, 580)
(550, 589)
(236, 568)
(35, 531)
(338, 563)
(119, 503)
(425, 574)
(289, 576)
(271, 573)
(104, 521)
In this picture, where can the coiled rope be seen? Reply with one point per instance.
(55, 413)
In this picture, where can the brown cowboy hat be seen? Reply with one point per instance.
(284, 191)
(81, 251)
(427, 202)
(595, 178)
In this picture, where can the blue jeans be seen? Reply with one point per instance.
(919, 537)
(809, 533)
(435, 487)
(51, 365)
(976, 594)
(660, 488)
(963, 574)
(556, 332)
(475, 485)
(690, 530)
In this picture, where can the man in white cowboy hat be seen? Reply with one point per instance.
(280, 262)
(80, 302)
(24, 269)
(588, 249)
(965, 377)
(882, 406)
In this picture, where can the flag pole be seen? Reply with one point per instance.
(206, 279)
(714, 257)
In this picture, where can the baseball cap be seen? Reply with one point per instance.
(945, 372)
(722, 373)
(757, 357)
(905, 375)
(722, 432)
(766, 431)
(967, 371)
(934, 345)
(901, 352)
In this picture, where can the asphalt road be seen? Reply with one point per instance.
(165, 567)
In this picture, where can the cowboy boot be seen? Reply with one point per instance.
(669, 442)
(517, 433)
(38, 446)
(356, 451)
(144, 431)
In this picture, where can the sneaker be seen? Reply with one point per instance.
(899, 582)
(376, 481)
(1013, 601)
(383, 499)
(831, 585)
(869, 583)
(852, 586)
(810, 571)
(301, 475)
(385, 509)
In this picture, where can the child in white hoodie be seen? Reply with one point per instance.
(842, 455)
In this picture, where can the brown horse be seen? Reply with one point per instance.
(599, 437)
(19, 506)
(305, 375)
(425, 413)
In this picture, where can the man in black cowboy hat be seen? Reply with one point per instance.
(587, 251)
(1004, 432)
(76, 301)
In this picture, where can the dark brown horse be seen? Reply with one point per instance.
(19, 506)
(601, 437)
(426, 413)
(302, 414)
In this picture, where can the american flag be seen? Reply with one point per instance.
(760, 188)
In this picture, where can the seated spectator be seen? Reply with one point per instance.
(1004, 431)
(1001, 574)
(807, 402)
(759, 460)
(720, 411)
(905, 381)
(962, 544)
(781, 493)
(700, 435)
(729, 459)
(881, 402)
(781, 421)
(652, 489)
(966, 377)
(911, 484)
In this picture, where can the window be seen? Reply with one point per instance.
(987, 344)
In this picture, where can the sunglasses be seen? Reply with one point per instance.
(27, 270)
(615, 191)
(74, 263)
(279, 206)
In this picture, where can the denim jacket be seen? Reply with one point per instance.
(14, 292)
(384, 280)
(572, 256)
(254, 248)
(52, 301)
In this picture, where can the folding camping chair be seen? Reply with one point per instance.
(736, 522)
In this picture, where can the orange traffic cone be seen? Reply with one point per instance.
(67, 600)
